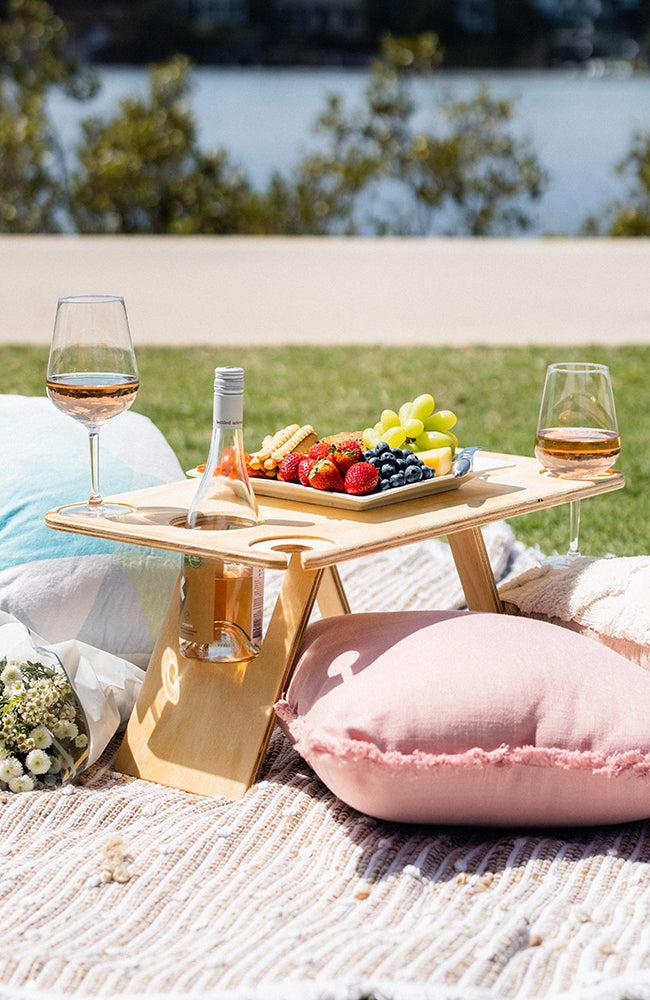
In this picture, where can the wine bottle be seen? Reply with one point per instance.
(221, 614)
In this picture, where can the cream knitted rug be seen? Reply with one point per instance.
(120, 888)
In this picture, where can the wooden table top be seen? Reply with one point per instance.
(326, 535)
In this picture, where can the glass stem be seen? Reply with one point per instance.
(574, 528)
(93, 438)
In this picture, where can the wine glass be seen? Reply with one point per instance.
(92, 376)
(577, 434)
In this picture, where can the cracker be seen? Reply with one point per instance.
(276, 441)
(300, 441)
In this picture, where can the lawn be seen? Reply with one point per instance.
(494, 391)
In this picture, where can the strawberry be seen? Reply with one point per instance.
(304, 468)
(345, 454)
(360, 478)
(320, 449)
(325, 476)
(288, 471)
(351, 444)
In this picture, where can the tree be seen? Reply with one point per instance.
(142, 171)
(33, 61)
(473, 174)
(631, 216)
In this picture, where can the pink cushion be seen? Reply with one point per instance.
(470, 718)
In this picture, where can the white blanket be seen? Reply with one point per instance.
(125, 889)
(606, 599)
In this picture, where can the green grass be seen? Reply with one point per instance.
(494, 391)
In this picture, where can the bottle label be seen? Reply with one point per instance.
(214, 593)
(197, 600)
(228, 412)
(257, 626)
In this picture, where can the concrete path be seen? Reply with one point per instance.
(260, 290)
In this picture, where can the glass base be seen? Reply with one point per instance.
(95, 509)
(559, 562)
(230, 645)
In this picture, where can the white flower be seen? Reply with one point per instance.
(42, 738)
(38, 761)
(38, 706)
(10, 767)
(15, 689)
(23, 783)
(66, 730)
(11, 675)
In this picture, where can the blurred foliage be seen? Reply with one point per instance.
(632, 216)
(372, 171)
(34, 51)
(143, 171)
(29, 194)
(473, 173)
(33, 61)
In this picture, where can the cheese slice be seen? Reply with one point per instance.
(438, 459)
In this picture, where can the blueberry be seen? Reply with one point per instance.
(381, 447)
(387, 469)
(367, 455)
(397, 480)
(412, 459)
(374, 460)
(384, 484)
(428, 472)
(413, 474)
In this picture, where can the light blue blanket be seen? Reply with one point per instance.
(63, 585)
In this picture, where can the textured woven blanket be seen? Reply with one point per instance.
(120, 888)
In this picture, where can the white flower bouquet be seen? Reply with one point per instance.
(43, 729)
(60, 705)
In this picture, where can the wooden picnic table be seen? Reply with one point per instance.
(205, 727)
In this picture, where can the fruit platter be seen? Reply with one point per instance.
(408, 454)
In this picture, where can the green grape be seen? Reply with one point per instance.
(389, 419)
(435, 439)
(441, 420)
(422, 406)
(394, 437)
(413, 427)
(404, 414)
(370, 437)
(379, 427)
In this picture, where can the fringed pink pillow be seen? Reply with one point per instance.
(470, 718)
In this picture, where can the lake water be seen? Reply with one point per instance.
(580, 122)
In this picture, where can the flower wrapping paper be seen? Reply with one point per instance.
(106, 685)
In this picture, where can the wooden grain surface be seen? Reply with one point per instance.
(325, 535)
(205, 727)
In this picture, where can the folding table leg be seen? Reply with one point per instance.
(331, 595)
(205, 727)
(474, 570)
